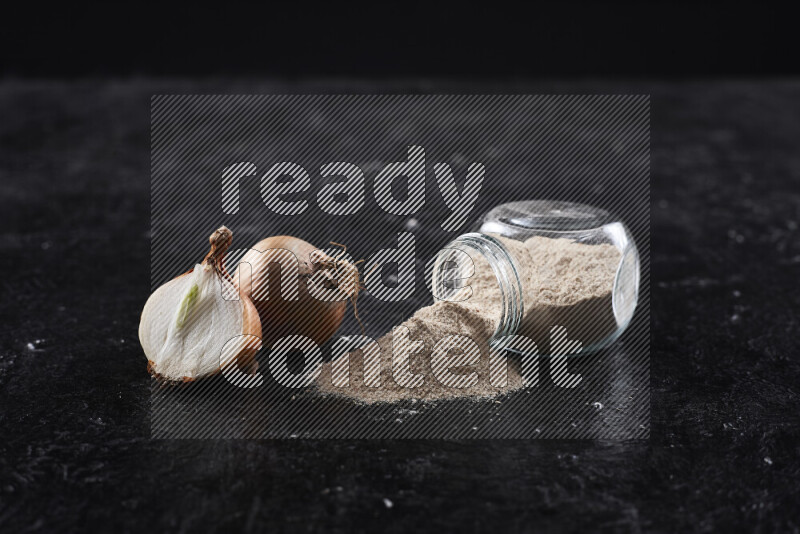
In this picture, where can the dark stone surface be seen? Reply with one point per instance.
(75, 454)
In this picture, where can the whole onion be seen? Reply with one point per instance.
(316, 288)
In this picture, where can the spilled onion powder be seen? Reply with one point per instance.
(564, 284)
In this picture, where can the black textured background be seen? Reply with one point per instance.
(74, 396)
(479, 40)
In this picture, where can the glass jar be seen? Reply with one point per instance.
(556, 265)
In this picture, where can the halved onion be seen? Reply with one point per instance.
(188, 321)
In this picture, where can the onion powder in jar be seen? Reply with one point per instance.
(548, 270)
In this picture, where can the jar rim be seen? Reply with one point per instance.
(506, 272)
(549, 215)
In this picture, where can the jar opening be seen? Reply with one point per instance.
(549, 215)
(461, 252)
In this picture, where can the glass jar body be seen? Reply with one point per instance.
(560, 269)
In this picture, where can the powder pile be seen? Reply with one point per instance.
(564, 283)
